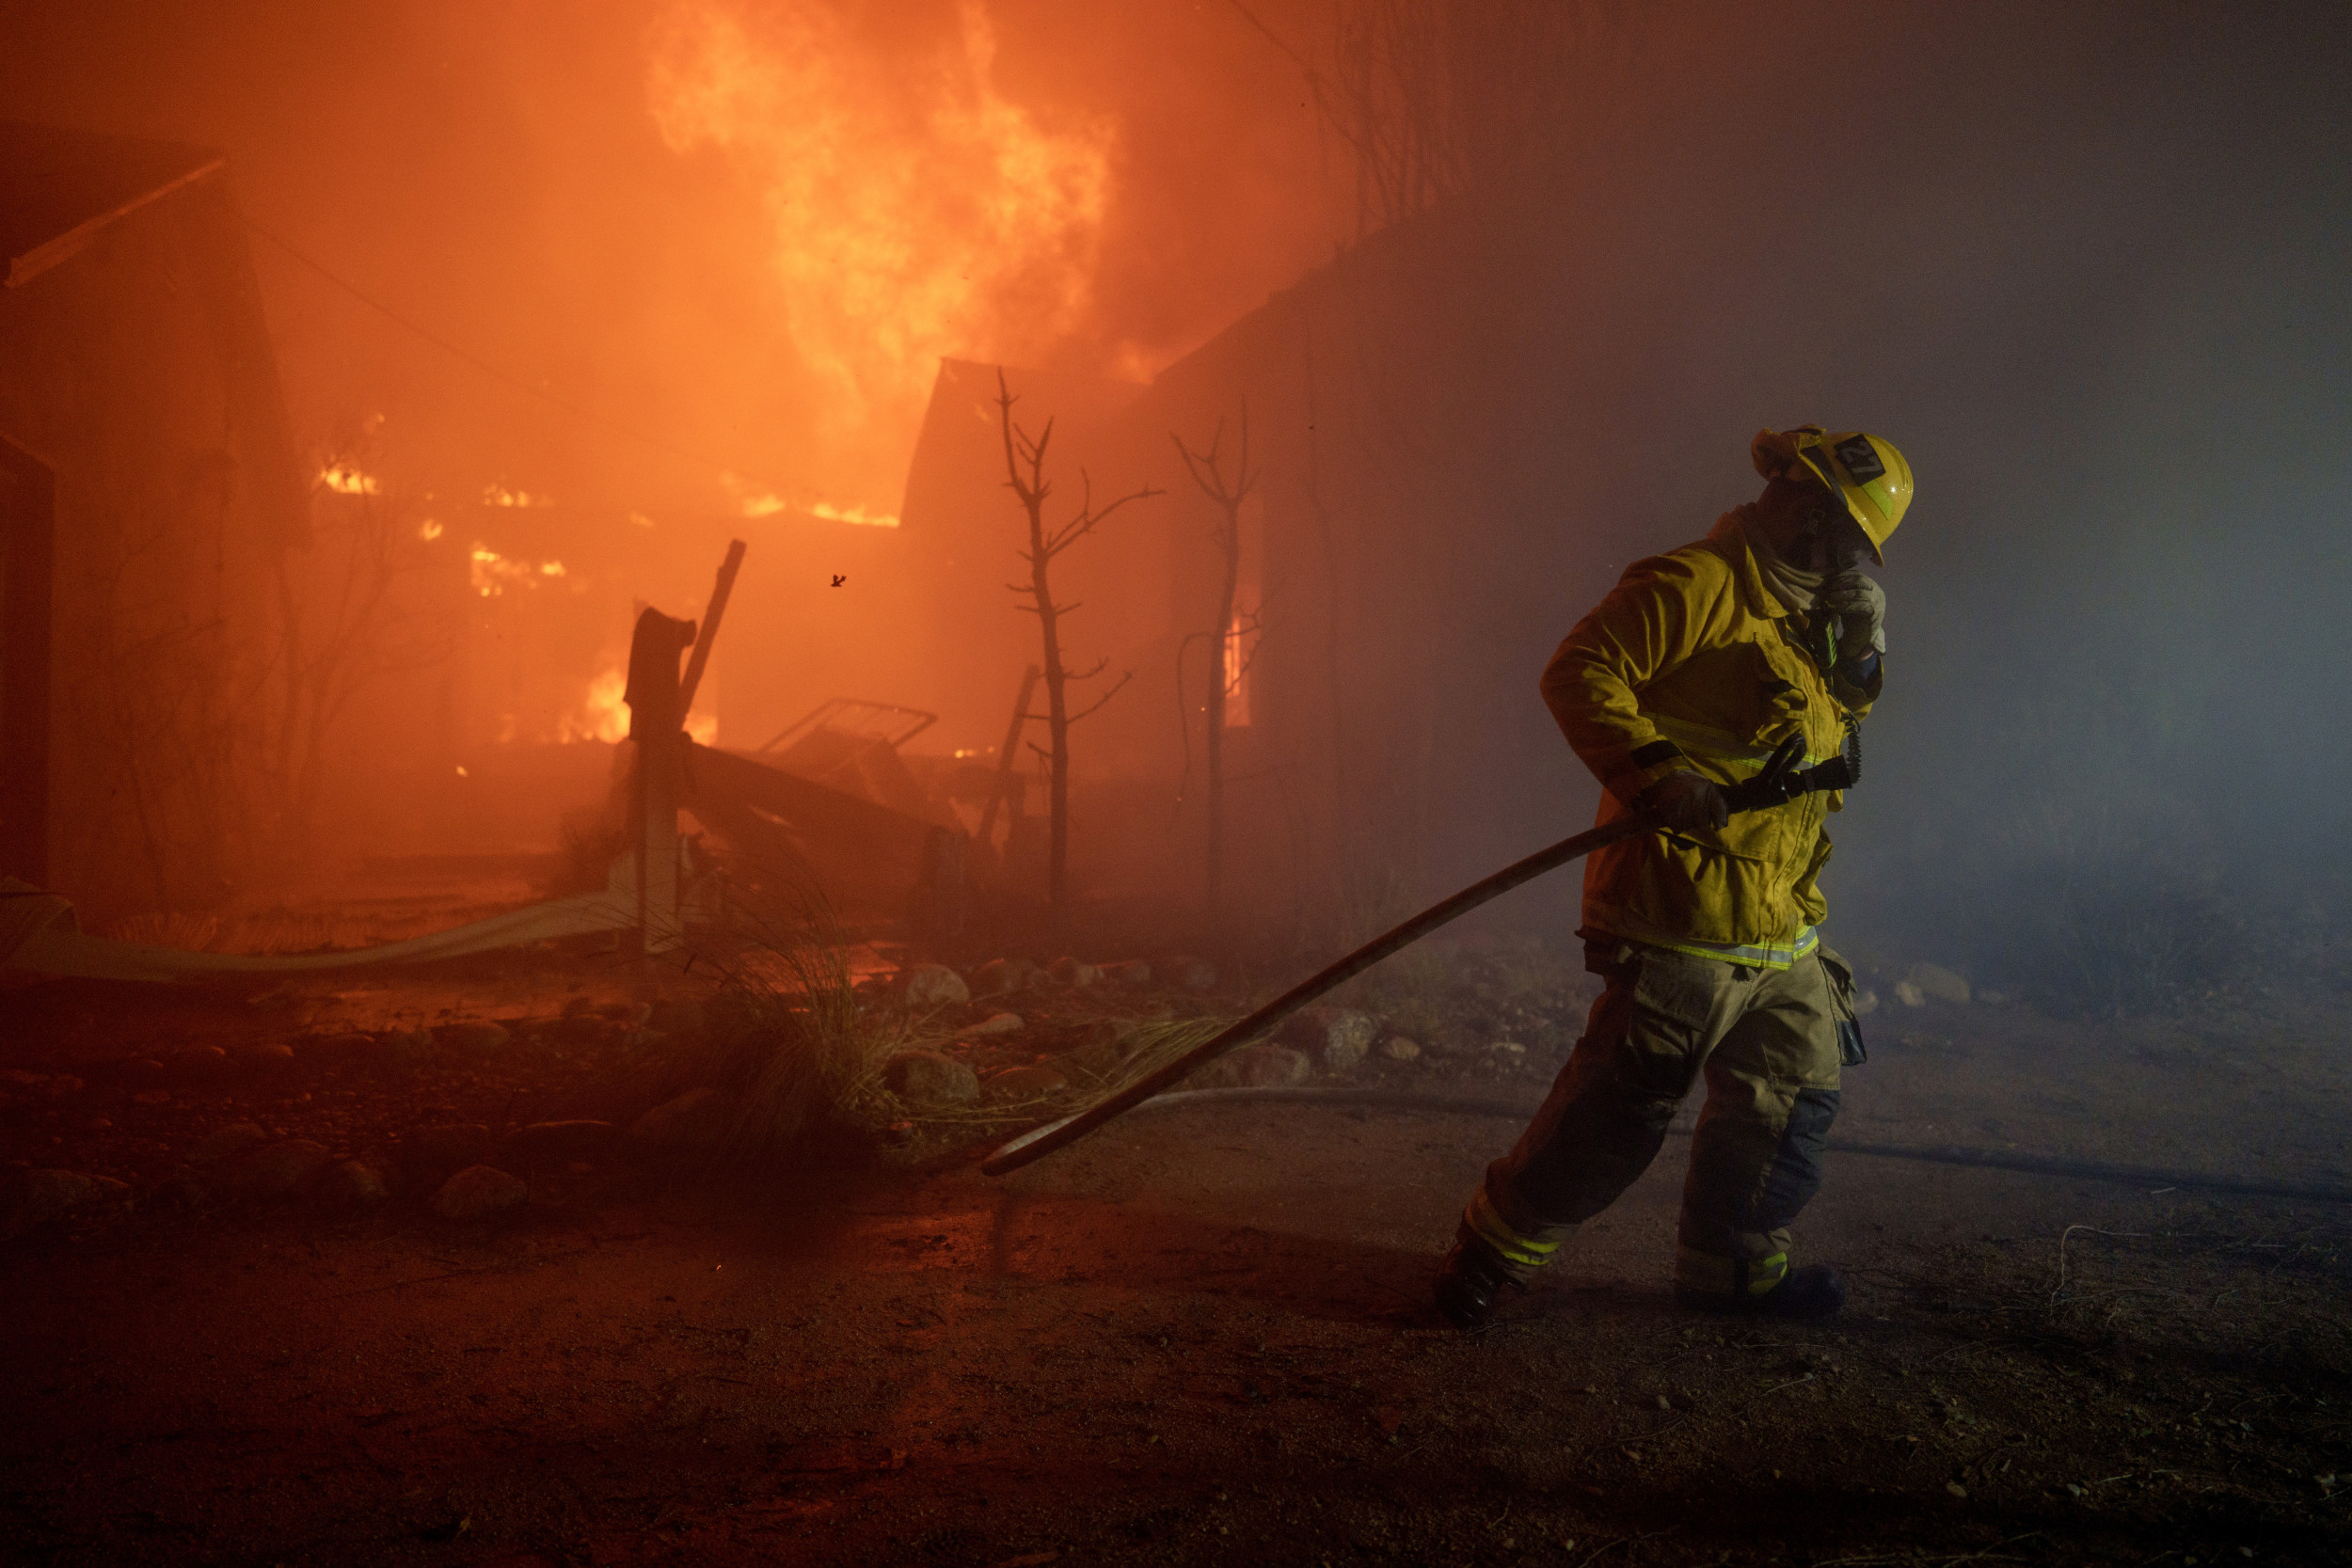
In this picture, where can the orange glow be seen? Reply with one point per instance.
(603, 716)
(916, 211)
(492, 573)
(345, 480)
(852, 514)
(766, 503)
(498, 495)
(1240, 646)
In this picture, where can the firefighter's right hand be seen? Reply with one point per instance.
(1684, 801)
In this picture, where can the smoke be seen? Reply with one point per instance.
(2083, 263)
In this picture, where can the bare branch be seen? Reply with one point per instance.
(1103, 698)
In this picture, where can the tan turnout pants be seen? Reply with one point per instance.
(1768, 1042)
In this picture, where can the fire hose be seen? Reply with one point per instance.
(1780, 780)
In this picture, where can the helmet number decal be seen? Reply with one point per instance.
(1860, 458)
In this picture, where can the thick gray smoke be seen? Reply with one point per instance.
(2085, 267)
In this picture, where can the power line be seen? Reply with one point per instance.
(484, 366)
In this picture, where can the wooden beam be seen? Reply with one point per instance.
(709, 629)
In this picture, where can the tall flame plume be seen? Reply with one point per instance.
(915, 210)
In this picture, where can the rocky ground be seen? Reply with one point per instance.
(437, 1267)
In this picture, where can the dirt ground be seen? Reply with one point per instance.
(1200, 1336)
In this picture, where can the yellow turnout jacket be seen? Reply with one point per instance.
(1690, 662)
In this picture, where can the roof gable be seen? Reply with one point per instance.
(59, 188)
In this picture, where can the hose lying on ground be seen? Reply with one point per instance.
(1988, 1158)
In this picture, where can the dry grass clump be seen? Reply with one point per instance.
(788, 1042)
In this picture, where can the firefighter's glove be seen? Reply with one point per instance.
(1684, 801)
(1860, 605)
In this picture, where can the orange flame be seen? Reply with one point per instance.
(604, 717)
(492, 573)
(917, 213)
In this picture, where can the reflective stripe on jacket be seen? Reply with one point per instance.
(1690, 662)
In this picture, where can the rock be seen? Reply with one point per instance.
(275, 1056)
(17, 1084)
(1002, 976)
(1397, 1048)
(1130, 972)
(997, 1023)
(342, 1047)
(479, 1038)
(928, 1078)
(582, 1029)
(547, 1143)
(1446, 1041)
(1865, 1001)
(224, 1143)
(479, 1192)
(1024, 1083)
(199, 1064)
(1270, 1066)
(410, 1044)
(1992, 998)
(34, 1198)
(273, 1170)
(1909, 995)
(350, 1184)
(1190, 973)
(1938, 984)
(1347, 1040)
(693, 1120)
(931, 986)
(428, 1154)
(183, 1190)
(1509, 1051)
(1305, 1028)
(579, 1007)
(1069, 971)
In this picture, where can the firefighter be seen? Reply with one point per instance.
(1705, 928)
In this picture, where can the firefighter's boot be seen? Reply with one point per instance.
(1492, 1258)
(1810, 1293)
(1472, 1282)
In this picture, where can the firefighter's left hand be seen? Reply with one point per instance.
(1860, 605)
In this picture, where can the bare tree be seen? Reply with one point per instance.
(1433, 96)
(1227, 495)
(343, 627)
(1024, 475)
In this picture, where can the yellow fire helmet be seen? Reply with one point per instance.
(1864, 470)
(1867, 474)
